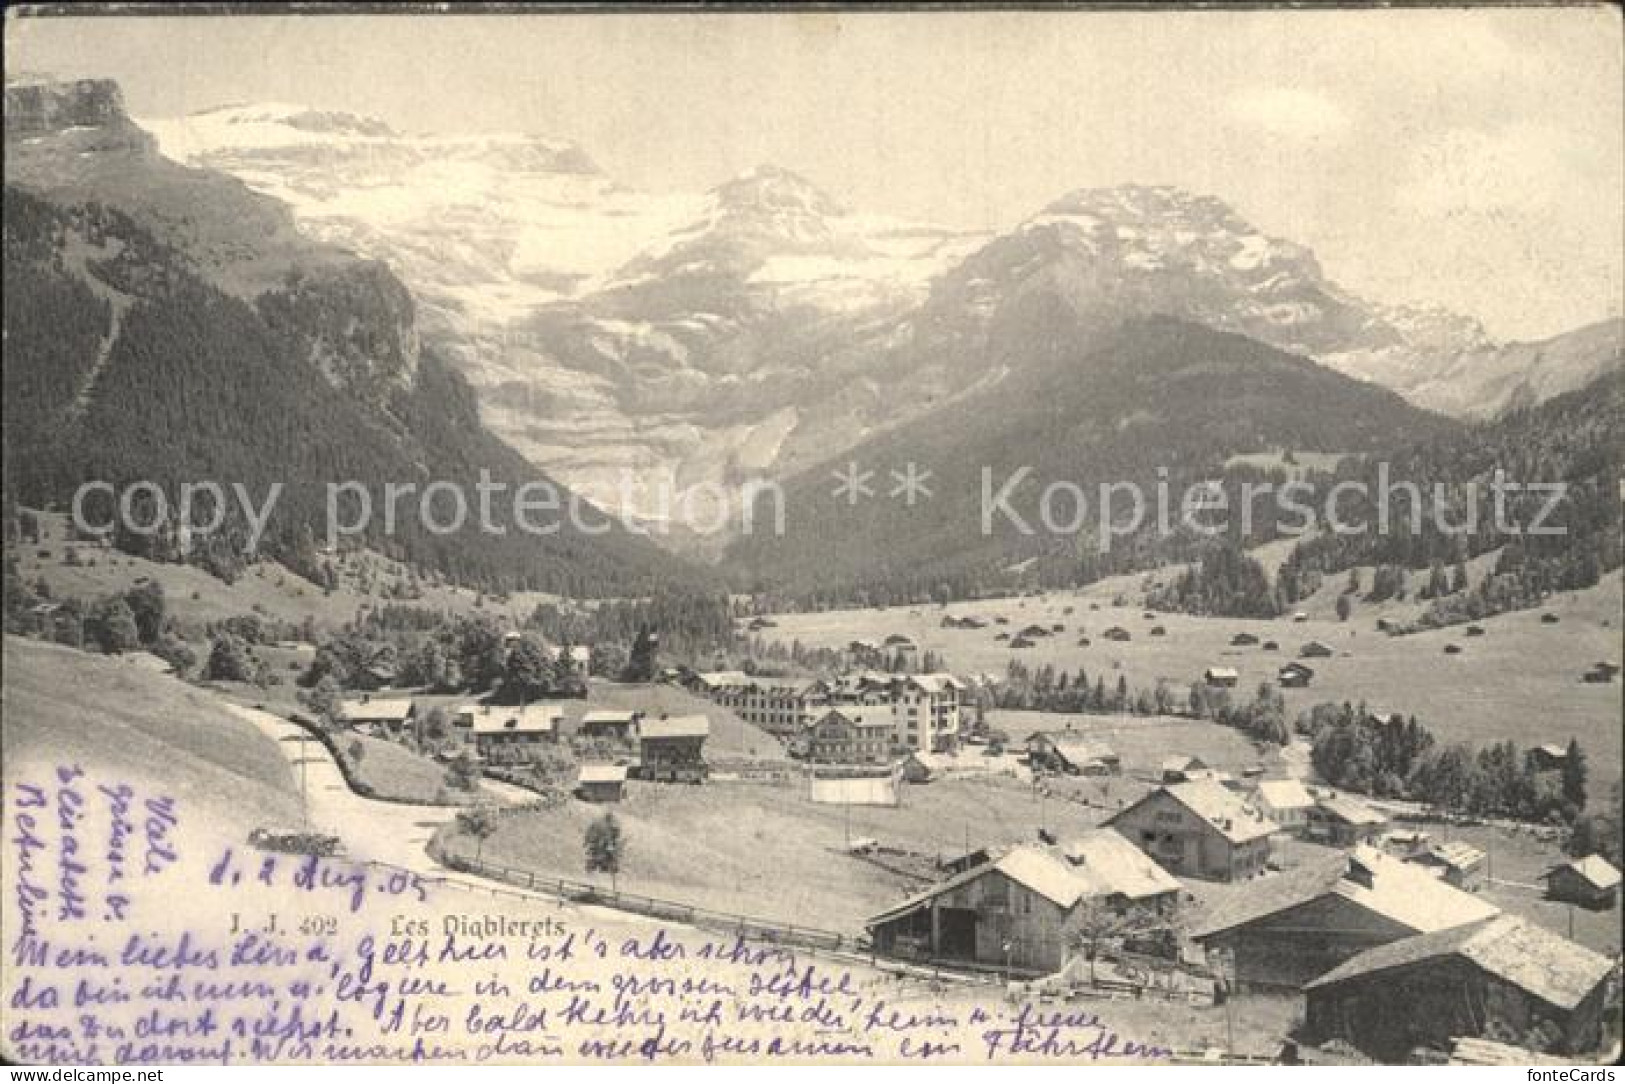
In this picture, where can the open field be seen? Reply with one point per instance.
(63, 706)
(767, 851)
(1521, 680)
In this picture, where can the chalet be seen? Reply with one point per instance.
(1034, 632)
(1314, 649)
(1300, 617)
(1457, 864)
(1073, 754)
(1287, 929)
(1452, 649)
(1001, 636)
(1117, 633)
(1021, 911)
(1294, 675)
(1179, 768)
(601, 782)
(1198, 830)
(501, 732)
(1020, 642)
(385, 715)
(1549, 757)
(1271, 645)
(1221, 677)
(1475, 630)
(850, 736)
(672, 749)
(1601, 673)
(1286, 802)
(1591, 882)
(1158, 630)
(609, 724)
(1243, 639)
(1342, 821)
(1548, 619)
(1497, 977)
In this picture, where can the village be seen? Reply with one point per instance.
(1085, 855)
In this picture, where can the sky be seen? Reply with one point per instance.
(1467, 158)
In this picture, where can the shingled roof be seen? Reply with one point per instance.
(1225, 811)
(1398, 891)
(1537, 961)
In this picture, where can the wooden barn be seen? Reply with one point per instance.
(1022, 911)
(601, 782)
(1500, 978)
(1287, 929)
(1294, 675)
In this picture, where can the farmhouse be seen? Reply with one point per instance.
(609, 724)
(503, 731)
(1019, 912)
(1294, 675)
(377, 715)
(672, 749)
(1497, 977)
(601, 782)
(1198, 830)
(1117, 633)
(1343, 821)
(1292, 927)
(1458, 864)
(1286, 802)
(1073, 754)
(1591, 882)
(1243, 639)
(1221, 677)
(850, 736)
(1314, 649)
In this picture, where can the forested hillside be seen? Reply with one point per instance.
(122, 363)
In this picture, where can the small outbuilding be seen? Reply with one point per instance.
(1591, 882)
(601, 782)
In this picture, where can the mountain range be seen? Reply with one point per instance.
(420, 306)
(638, 343)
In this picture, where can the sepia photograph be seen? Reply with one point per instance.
(592, 535)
